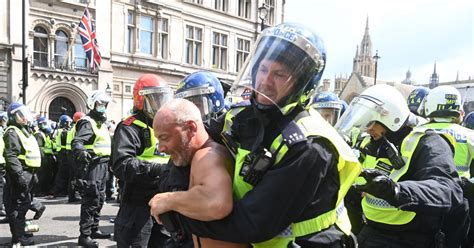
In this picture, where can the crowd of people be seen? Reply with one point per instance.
(284, 166)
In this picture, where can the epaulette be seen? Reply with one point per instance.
(245, 103)
(128, 121)
(292, 134)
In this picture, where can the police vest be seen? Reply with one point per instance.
(348, 167)
(70, 136)
(151, 153)
(31, 155)
(2, 147)
(379, 210)
(48, 146)
(463, 145)
(59, 143)
(101, 145)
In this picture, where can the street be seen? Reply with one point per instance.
(59, 225)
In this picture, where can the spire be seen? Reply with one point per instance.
(434, 79)
(367, 25)
(434, 72)
(457, 76)
(357, 51)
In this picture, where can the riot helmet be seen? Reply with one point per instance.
(469, 121)
(380, 103)
(43, 123)
(97, 102)
(77, 116)
(285, 65)
(328, 105)
(443, 103)
(150, 93)
(204, 90)
(19, 114)
(65, 121)
(415, 100)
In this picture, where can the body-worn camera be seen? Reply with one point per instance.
(255, 166)
(393, 155)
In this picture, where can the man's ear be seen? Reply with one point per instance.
(192, 125)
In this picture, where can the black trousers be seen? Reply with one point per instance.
(2, 186)
(17, 203)
(93, 198)
(62, 180)
(374, 238)
(46, 174)
(133, 226)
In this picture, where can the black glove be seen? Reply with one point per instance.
(467, 188)
(379, 185)
(21, 181)
(84, 157)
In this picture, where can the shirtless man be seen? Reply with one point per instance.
(181, 134)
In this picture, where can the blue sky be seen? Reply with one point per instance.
(408, 34)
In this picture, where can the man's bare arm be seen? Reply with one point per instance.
(210, 194)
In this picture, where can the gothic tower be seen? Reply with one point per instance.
(363, 60)
(434, 79)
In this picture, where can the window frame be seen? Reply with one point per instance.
(57, 64)
(196, 45)
(222, 56)
(241, 53)
(163, 38)
(45, 36)
(140, 29)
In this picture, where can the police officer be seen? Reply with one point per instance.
(46, 172)
(328, 105)
(91, 148)
(443, 107)
(23, 158)
(137, 162)
(73, 188)
(286, 180)
(62, 181)
(413, 184)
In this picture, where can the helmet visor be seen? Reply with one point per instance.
(22, 116)
(361, 112)
(198, 96)
(281, 64)
(154, 99)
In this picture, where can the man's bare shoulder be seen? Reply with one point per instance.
(211, 156)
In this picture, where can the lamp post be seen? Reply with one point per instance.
(262, 15)
(108, 90)
(24, 59)
(376, 57)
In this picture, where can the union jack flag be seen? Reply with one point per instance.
(86, 30)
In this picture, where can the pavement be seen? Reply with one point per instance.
(59, 225)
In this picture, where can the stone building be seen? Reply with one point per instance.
(171, 38)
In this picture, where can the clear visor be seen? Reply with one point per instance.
(154, 99)
(277, 70)
(361, 112)
(203, 104)
(331, 115)
(23, 116)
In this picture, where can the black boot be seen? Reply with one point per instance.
(39, 213)
(87, 241)
(4, 220)
(100, 235)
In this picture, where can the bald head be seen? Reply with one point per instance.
(177, 111)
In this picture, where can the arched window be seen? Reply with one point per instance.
(80, 60)
(60, 49)
(40, 47)
(60, 106)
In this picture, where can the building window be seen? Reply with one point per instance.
(61, 49)
(221, 5)
(80, 59)
(40, 47)
(146, 34)
(243, 50)
(219, 51)
(271, 11)
(163, 38)
(128, 89)
(197, 1)
(193, 45)
(244, 9)
(130, 32)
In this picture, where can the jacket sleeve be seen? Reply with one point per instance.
(278, 200)
(433, 186)
(125, 149)
(84, 133)
(11, 152)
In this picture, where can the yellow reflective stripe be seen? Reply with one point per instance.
(32, 155)
(283, 150)
(101, 145)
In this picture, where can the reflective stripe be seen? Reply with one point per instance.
(459, 138)
(101, 145)
(32, 155)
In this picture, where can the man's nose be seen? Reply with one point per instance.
(162, 148)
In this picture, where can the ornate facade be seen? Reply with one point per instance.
(169, 38)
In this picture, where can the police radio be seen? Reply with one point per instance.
(255, 166)
(147, 137)
(393, 155)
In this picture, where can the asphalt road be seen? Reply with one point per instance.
(59, 225)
